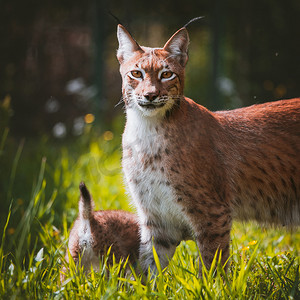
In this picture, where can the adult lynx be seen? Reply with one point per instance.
(190, 171)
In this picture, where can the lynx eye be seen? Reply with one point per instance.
(166, 75)
(136, 74)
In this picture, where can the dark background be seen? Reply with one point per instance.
(57, 58)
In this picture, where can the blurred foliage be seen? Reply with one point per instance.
(5, 115)
(40, 178)
(57, 59)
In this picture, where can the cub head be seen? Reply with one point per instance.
(152, 78)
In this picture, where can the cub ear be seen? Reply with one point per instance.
(127, 45)
(177, 45)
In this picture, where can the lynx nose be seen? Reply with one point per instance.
(151, 96)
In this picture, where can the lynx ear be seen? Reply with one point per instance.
(127, 45)
(177, 45)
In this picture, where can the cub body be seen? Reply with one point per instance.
(94, 232)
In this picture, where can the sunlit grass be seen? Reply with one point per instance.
(264, 262)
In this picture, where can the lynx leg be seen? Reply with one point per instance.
(212, 238)
(212, 234)
(164, 247)
(211, 242)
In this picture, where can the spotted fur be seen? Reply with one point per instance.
(190, 171)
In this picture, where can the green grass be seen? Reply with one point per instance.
(39, 195)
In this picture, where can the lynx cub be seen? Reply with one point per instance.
(95, 231)
(190, 171)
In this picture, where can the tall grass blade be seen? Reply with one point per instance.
(295, 290)
(159, 277)
(14, 169)
(3, 238)
(157, 262)
(24, 227)
(4, 137)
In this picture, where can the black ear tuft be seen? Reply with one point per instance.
(192, 21)
(114, 17)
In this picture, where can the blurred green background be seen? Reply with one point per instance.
(59, 86)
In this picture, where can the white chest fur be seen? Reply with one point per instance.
(146, 175)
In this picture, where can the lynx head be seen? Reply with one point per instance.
(153, 78)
